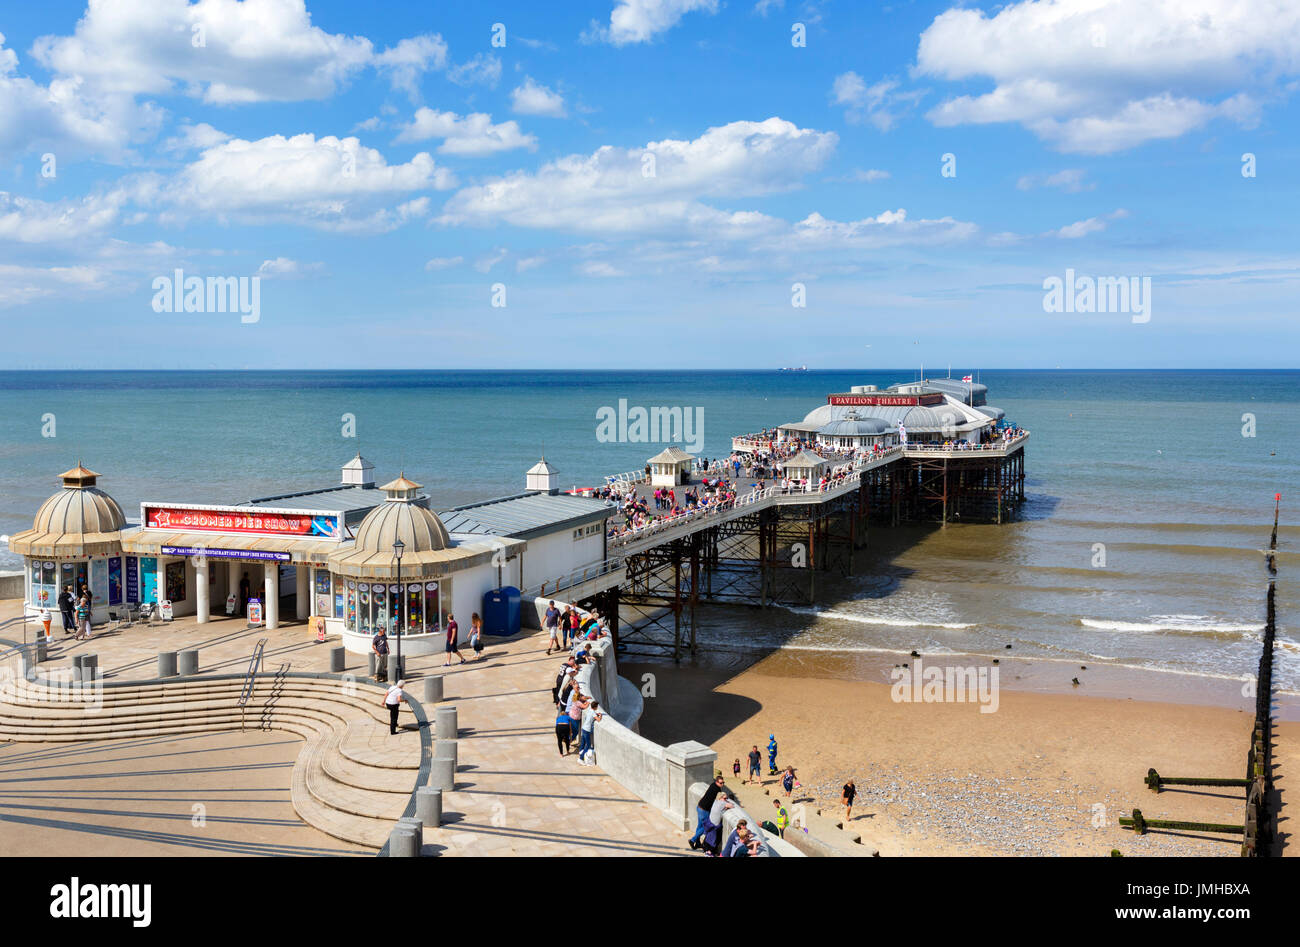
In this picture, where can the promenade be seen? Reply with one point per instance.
(514, 795)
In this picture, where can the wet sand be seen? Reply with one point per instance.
(1046, 773)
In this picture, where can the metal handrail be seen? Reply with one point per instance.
(605, 567)
(246, 691)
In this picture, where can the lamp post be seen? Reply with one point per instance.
(399, 547)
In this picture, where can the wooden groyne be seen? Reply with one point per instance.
(1263, 806)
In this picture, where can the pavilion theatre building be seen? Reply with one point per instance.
(347, 558)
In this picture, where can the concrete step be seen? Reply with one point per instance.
(368, 747)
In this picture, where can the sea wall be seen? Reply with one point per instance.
(773, 845)
(11, 585)
(660, 775)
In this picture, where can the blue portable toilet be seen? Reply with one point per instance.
(501, 611)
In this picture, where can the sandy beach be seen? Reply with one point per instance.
(1044, 774)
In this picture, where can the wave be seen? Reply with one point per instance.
(1179, 624)
(901, 622)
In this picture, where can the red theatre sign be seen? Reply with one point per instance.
(216, 519)
(895, 401)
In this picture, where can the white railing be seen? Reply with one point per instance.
(998, 445)
(575, 577)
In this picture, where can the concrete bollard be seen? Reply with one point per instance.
(42, 650)
(448, 748)
(89, 666)
(433, 689)
(428, 805)
(417, 826)
(442, 775)
(402, 842)
(166, 663)
(394, 669)
(338, 659)
(372, 657)
(188, 662)
(444, 723)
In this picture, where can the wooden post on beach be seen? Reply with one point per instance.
(1139, 824)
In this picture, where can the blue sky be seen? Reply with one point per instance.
(646, 183)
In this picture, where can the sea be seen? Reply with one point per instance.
(1141, 545)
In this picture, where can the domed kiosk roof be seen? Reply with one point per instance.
(427, 547)
(79, 521)
(854, 426)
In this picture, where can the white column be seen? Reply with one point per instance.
(304, 591)
(271, 608)
(201, 595)
(233, 574)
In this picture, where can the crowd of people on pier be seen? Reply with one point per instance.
(636, 512)
(574, 632)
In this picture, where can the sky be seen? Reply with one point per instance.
(649, 184)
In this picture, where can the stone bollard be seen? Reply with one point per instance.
(448, 748)
(402, 842)
(442, 775)
(338, 659)
(444, 723)
(428, 805)
(41, 649)
(188, 662)
(433, 689)
(166, 663)
(415, 824)
(394, 669)
(89, 666)
(372, 657)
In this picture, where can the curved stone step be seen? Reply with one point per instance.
(400, 752)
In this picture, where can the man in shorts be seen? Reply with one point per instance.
(755, 758)
(553, 627)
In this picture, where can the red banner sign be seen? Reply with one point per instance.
(885, 400)
(217, 520)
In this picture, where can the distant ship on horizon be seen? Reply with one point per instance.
(801, 368)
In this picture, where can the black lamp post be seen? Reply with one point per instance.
(399, 547)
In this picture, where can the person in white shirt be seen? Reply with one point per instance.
(586, 745)
(393, 701)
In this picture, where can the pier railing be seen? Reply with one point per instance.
(575, 577)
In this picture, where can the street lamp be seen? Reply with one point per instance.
(399, 547)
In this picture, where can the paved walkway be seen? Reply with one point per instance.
(515, 795)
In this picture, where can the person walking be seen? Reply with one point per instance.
(379, 645)
(587, 742)
(83, 619)
(771, 754)
(782, 818)
(755, 758)
(393, 700)
(453, 643)
(564, 628)
(476, 635)
(245, 592)
(552, 627)
(563, 735)
(846, 798)
(66, 609)
(788, 781)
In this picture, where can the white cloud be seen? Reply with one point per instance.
(486, 263)
(889, 228)
(879, 104)
(612, 191)
(1099, 76)
(443, 263)
(532, 98)
(408, 61)
(639, 21)
(468, 135)
(859, 176)
(598, 268)
(1070, 180)
(26, 284)
(763, 6)
(251, 51)
(483, 69)
(198, 137)
(329, 183)
(284, 268)
(26, 220)
(1081, 228)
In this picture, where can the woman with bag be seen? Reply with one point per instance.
(476, 634)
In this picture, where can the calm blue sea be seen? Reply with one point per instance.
(1153, 465)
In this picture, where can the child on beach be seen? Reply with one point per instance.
(850, 792)
(735, 767)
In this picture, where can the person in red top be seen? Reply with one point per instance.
(453, 644)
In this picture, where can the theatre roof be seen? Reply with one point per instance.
(526, 515)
